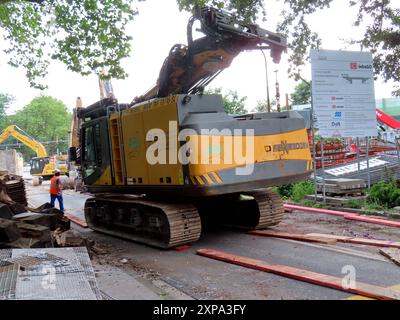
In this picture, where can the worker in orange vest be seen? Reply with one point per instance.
(56, 191)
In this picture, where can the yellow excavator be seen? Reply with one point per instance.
(42, 165)
(172, 161)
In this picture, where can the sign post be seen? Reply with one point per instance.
(343, 96)
(358, 156)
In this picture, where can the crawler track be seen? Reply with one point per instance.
(270, 206)
(159, 224)
(257, 209)
(165, 224)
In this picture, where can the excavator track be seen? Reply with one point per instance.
(251, 210)
(155, 223)
(270, 207)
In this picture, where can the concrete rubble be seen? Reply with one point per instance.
(25, 227)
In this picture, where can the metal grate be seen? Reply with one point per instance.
(49, 273)
(85, 262)
(63, 260)
(8, 280)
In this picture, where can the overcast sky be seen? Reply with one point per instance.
(160, 25)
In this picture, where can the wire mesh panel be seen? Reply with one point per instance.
(48, 273)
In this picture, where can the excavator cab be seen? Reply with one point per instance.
(38, 165)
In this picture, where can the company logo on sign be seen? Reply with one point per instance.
(355, 66)
(338, 114)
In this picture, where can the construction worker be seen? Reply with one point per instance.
(56, 191)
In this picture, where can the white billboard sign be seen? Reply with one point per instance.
(343, 93)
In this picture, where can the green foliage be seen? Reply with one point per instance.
(262, 106)
(5, 101)
(296, 191)
(313, 204)
(354, 204)
(233, 103)
(85, 35)
(90, 34)
(301, 94)
(285, 191)
(307, 203)
(301, 189)
(385, 194)
(320, 205)
(45, 119)
(372, 206)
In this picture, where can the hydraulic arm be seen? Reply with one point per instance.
(25, 138)
(189, 68)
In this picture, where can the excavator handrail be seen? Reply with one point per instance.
(19, 134)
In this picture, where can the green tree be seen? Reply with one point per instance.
(261, 106)
(5, 101)
(85, 35)
(233, 103)
(302, 93)
(45, 119)
(90, 34)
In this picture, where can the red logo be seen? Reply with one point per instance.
(353, 65)
(333, 98)
(334, 106)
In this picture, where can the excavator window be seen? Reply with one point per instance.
(92, 151)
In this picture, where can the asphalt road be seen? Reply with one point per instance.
(198, 277)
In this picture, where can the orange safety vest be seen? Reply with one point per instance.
(54, 187)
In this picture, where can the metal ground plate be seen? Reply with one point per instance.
(47, 274)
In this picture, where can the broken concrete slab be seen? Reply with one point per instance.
(47, 220)
(5, 211)
(338, 201)
(8, 231)
(22, 215)
(70, 239)
(394, 215)
(35, 231)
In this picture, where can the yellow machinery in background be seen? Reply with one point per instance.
(133, 156)
(42, 165)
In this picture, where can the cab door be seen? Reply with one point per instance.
(96, 152)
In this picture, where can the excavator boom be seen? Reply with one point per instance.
(189, 68)
(25, 138)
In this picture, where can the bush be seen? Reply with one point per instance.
(285, 191)
(385, 194)
(373, 207)
(354, 203)
(307, 203)
(313, 204)
(301, 189)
